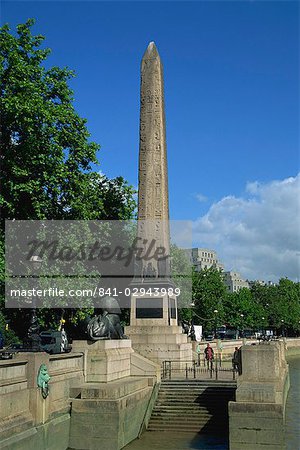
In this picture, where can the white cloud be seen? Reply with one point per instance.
(201, 198)
(258, 234)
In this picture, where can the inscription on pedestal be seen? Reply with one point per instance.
(149, 308)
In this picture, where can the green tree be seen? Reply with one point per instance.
(242, 310)
(181, 270)
(209, 292)
(280, 303)
(47, 155)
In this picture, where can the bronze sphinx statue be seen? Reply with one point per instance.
(107, 325)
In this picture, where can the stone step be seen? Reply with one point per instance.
(199, 382)
(186, 399)
(193, 401)
(195, 395)
(196, 421)
(188, 424)
(187, 406)
(178, 418)
(182, 413)
(187, 418)
(195, 406)
(175, 416)
(190, 407)
(195, 386)
(196, 389)
(206, 428)
(167, 408)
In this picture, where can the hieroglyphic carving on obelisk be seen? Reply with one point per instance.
(153, 203)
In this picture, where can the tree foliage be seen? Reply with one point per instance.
(209, 292)
(181, 271)
(48, 160)
(47, 155)
(261, 307)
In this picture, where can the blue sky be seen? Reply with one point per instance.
(231, 74)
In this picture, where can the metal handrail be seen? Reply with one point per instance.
(193, 370)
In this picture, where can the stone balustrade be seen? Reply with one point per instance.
(256, 418)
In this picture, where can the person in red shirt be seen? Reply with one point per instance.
(209, 356)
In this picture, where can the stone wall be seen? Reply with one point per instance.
(109, 418)
(99, 398)
(256, 418)
(27, 420)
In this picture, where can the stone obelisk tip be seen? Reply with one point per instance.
(151, 51)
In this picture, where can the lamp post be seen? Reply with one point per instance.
(242, 325)
(34, 328)
(263, 325)
(282, 328)
(215, 313)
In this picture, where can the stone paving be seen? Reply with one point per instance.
(172, 441)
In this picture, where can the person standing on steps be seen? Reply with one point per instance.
(209, 356)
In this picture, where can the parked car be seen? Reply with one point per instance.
(248, 334)
(6, 355)
(209, 336)
(231, 334)
(221, 332)
(55, 342)
(51, 342)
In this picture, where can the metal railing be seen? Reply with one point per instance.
(176, 369)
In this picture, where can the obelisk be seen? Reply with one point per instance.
(153, 202)
(154, 329)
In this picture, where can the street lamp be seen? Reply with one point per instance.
(216, 312)
(34, 328)
(242, 326)
(263, 325)
(282, 327)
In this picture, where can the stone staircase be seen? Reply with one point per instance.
(192, 405)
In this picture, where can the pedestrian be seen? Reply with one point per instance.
(235, 359)
(192, 334)
(209, 356)
(239, 361)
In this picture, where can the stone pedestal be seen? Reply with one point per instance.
(109, 409)
(160, 343)
(109, 415)
(105, 360)
(264, 374)
(159, 309)
(256, 419)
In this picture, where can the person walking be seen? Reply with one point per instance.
(235, 359)
(209, 356)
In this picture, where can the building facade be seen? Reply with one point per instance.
(234, 281)
(203, 258)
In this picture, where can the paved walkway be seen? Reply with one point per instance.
(163, 440)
